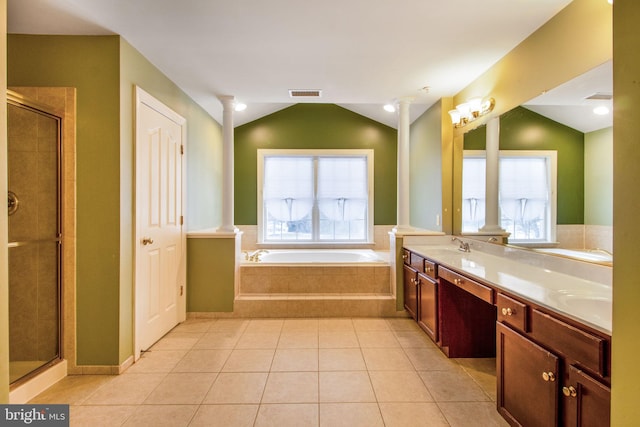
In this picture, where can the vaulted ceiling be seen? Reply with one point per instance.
(361, 54)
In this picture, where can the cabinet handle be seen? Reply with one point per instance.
(508, 312)
(569, 391)
(429, 269)
(405, 256)
(549, 376)
(457, 281)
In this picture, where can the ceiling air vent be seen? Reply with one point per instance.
(305, 93)
(600, 96)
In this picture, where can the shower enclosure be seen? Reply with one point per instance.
(35, 237)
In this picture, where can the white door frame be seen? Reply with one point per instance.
(142, 97)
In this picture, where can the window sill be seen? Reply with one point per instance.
(316, 245)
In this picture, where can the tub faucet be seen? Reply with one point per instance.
(255, 255)
(464, 247)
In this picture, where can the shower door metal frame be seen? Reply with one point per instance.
(18, 100)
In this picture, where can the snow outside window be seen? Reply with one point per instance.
(527, 194)
(315, 196)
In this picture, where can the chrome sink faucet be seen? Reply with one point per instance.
(464, 247)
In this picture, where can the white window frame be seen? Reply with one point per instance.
(368, 153)
(552, 158)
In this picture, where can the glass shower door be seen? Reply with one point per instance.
(34, 156)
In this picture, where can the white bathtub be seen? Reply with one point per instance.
(313, 272)
(317, 257)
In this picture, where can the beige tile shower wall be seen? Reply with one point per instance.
(63, 100)
(380, 236)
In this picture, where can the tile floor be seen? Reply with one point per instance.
(288, 372)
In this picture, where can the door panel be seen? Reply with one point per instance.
(528, 377)
(160, 248)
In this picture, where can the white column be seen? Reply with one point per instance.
(227, 164)
(491, 218)
(403, 206)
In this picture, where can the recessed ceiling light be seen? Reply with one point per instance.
(601, 110)
(390, 108)
(239, 106)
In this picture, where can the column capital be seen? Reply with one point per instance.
(406, 100)
(226, 100)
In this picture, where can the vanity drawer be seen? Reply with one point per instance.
(512, 312)
(583, 347)
(481, 291)
(430, 269)
(406, 256)
(416, 261)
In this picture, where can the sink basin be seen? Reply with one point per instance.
(588, 304)
(591, 307)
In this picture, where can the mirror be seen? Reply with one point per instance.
(561, 120)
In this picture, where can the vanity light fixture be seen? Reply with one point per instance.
(471, 110)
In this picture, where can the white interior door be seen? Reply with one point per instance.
(160, 272)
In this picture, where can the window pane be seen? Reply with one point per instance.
(342, 198)
(315, 197)
(473, 193)
(288, 198)
(524, 197)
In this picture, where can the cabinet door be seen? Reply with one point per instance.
(411, 291)
(428, 306)
(587, 401)
(527, 377)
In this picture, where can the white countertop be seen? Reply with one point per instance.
(585, 301)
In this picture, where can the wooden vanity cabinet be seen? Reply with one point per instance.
(551, 370)
(410, 279)
(587, 403)
(527, 377)
(421, 292)
(428, 305)
(541, 356)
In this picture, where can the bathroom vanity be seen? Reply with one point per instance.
(549, 331)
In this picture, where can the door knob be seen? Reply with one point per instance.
(147, 241)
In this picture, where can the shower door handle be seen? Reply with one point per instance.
(147, 241)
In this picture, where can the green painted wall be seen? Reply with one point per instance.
(210, 274)
(91, 64)
(104, 70)
(522, 129)
(425, 170)
(203, 164)
(598, 177)
(319, 126)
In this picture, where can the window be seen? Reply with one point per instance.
(315, 196)
(527, 189)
